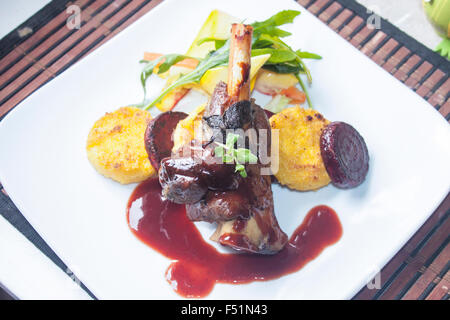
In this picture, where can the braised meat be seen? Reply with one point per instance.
(185, 178)
(212, 190)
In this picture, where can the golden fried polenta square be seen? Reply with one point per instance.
(115, 145)
(300, 162)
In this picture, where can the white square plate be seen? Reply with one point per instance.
(44, 168)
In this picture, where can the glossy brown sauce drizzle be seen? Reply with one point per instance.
(197, 265)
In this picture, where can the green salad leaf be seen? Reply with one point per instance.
(276, 55)
(167, 60)
(307, 55)
(214, 59)
(278, 19)
(217, 42)
(286, 67)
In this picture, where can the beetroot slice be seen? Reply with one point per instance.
(344, 154)
(158, 136)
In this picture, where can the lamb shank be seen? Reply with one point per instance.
(212, 190)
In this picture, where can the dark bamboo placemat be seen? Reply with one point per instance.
(421, 269)
(43, 47)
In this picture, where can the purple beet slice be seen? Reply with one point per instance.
(344, 154)
(158, 136)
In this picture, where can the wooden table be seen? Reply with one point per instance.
(420, 270)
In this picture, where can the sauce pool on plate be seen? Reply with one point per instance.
(198, 266)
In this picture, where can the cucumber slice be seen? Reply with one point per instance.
(217, 25)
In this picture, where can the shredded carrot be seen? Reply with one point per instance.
(186, 63)
(294, 94)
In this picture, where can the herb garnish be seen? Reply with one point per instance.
(239, 156)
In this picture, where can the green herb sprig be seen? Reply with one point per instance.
(239, 156)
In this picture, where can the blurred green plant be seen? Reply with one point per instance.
(438, 12)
